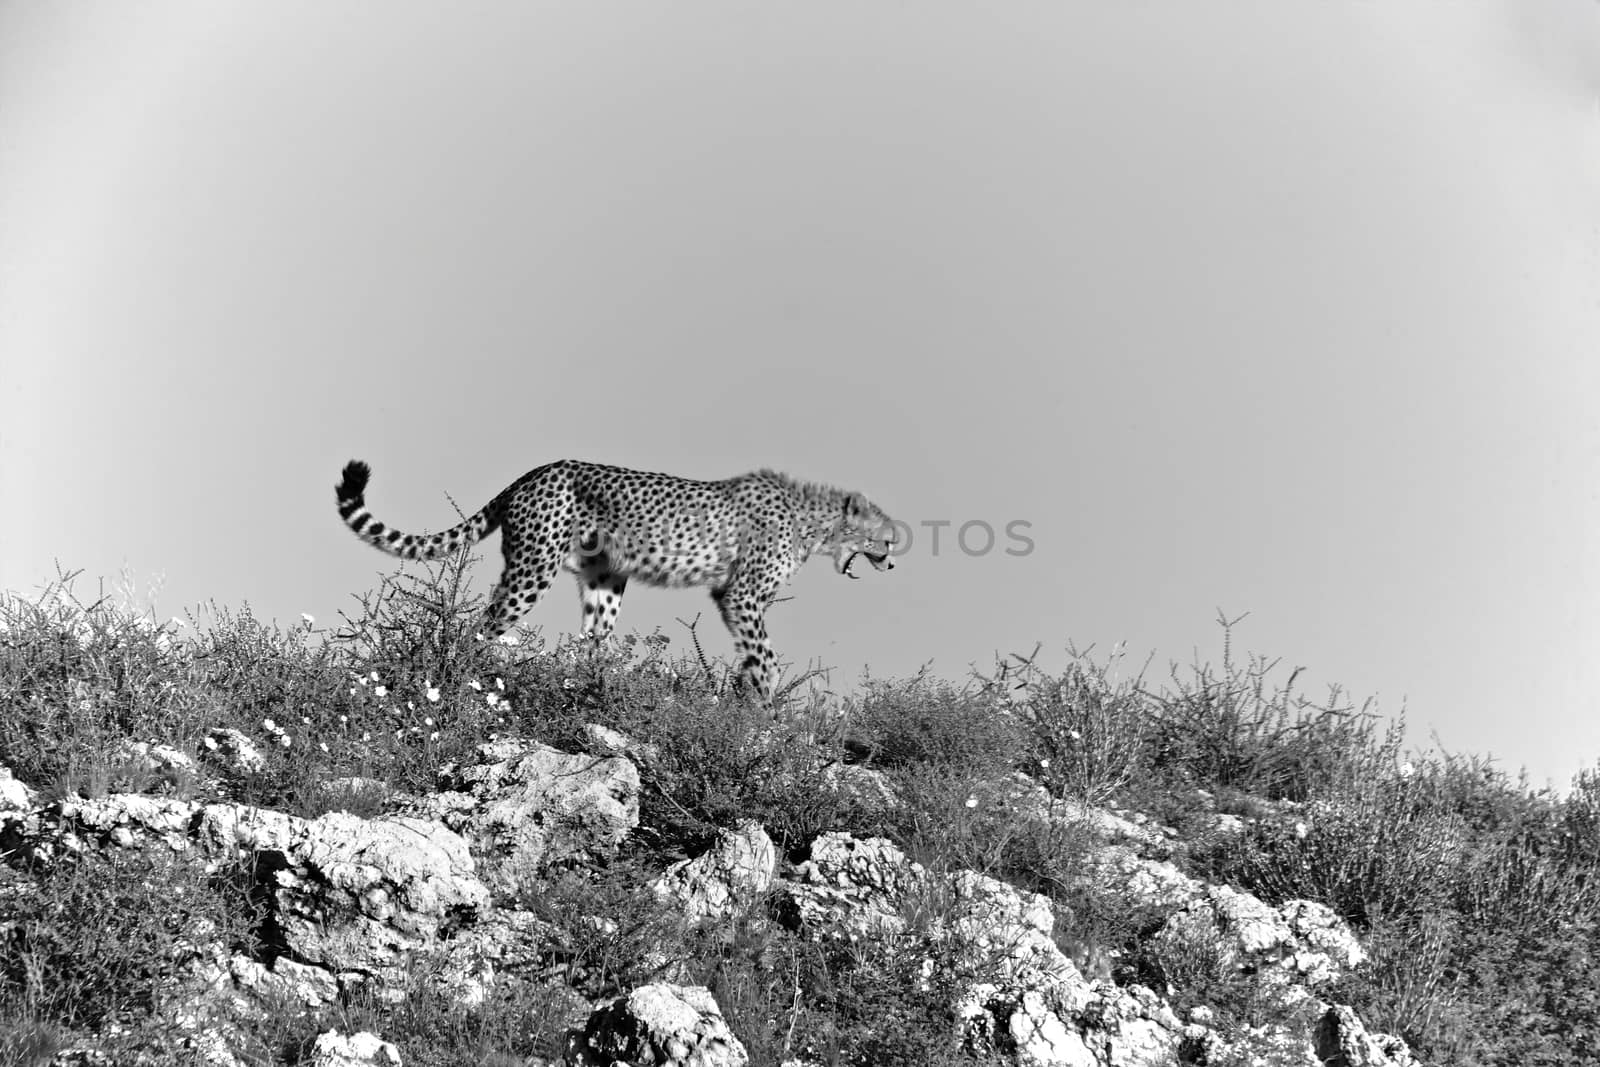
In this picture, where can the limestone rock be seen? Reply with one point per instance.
(849, 887)
(1325, 946)
(128, 820)
(501, 943)
(1006, 932)
(1100, 825)
(611, 742)
(1343, 1041)
(233, 751)
(15, 795)
(525, 805)
(1291, 949)
(1155, 883)
(666, 1025)
(360, 1049)
(352, 894)
(729, 877)
(155, 758)
(864, 785)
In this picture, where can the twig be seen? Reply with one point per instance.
(700, 652)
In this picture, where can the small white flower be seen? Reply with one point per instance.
(284, 740)
(972, 802)
(352, 690)
(500, 684)
(269, 726)
(381, 691)
(1044, 763)
(434, 736)
(323, 745)
(1407, 770)
(307, 618)
(476, 685)
(362, 681)
(1300, 830)
(305, 720)
(365, 736)
(373, 676)
(433, 694)
(427, 721)
(509, 639)
(1075, 735)
(344, 720)
(211, 743)
(566, 683)
(505, 705)
(490, 699)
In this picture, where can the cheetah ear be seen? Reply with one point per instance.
(854, 504)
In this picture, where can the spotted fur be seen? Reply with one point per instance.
(743, 537)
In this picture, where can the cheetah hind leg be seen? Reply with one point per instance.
(528, 573)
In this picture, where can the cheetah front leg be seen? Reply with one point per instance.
(743, 611)
(601, 589)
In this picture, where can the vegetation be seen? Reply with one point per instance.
(1474, 893)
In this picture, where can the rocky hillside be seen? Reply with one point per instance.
(224, 842)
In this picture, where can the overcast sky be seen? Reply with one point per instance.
(1282, 307)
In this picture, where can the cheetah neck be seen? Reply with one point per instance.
(818, 509)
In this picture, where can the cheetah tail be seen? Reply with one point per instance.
(353, 510)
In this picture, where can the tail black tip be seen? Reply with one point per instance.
(354, 482)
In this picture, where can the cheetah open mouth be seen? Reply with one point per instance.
(879, 560)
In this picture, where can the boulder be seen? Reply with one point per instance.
(680, 1026)
(1343, 1041)
(849, 887)
(525, 806)
(728, 878)
(352, 894)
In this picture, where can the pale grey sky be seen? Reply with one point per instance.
(1282, 307)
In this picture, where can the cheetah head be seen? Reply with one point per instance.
(863, 530)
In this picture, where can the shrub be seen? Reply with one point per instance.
(78, 679)
(607, 932)
(883, 1002)
(1366, 854)
(515, 1023)
(103, 936)
(1238, 729)
(929, 721)
(714, 765)
(1089, 733)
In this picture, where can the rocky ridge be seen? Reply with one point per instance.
(434, 884)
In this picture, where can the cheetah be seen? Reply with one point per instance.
(743, 537)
